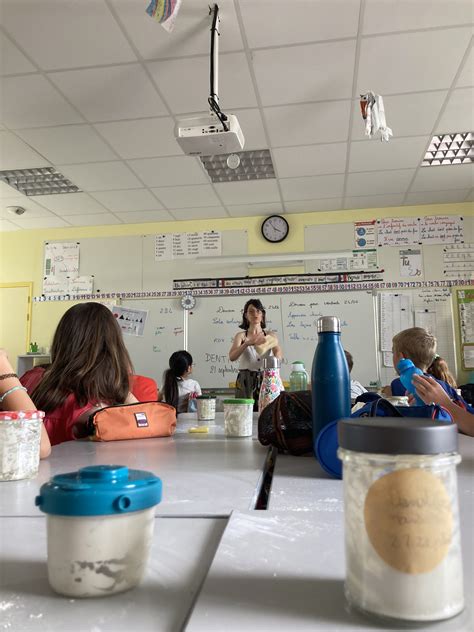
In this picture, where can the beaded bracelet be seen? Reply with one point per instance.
(5, 376)
(11, 390)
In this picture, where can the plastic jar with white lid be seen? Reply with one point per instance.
(403, 546)
(100, 524)
(20, 437)
(238, 417)
(206, 407)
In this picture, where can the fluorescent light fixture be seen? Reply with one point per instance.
(38, 181)
(450, 149)
(253, 165)
(291, 258)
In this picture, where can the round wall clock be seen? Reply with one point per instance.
(275, 228)
(188, 301)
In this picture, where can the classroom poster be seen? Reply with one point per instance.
(131, 321)
(81, 284)
(188, 245)
(426, 319)
(398, 231)
(441, 229)
(61, 259)
(396, 314)
(411, 263)
(365, 234)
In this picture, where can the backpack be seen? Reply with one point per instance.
(381, 407)
(286, 423)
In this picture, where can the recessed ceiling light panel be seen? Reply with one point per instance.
(38, 181)
(450, 149)
(253, 165)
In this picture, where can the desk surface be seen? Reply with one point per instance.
(181, 552)
(202, 474)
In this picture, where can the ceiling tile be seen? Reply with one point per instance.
(144, 138)
(12, 60)
(245, 210)
(6, 226)
(140, 217)
(71, 204)
(101, 176)
(443, 178)
(398, 153)
(68, 144)
(377, 183)
(415, 68)
(101, 219)
(32, 209)
(15, 154)
(459, 113)
(210, 212)
(309, 160)
(156, 172)
(437, 197)
(67, 33)
(191, 34)
(312, 188)
(374, 201)
(293, 74)
(308, 124)
(184, 83)
(113, 93)
(252, 127)
(187, 196)
(396, 15)
(6, 191)
(309, 206)
(466, 78)
(403, 113)
(51, 221)
(248, 192)
(128, 201)
(311, 21)
(31, 101)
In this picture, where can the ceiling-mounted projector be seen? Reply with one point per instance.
(206, 136)
(217, 133)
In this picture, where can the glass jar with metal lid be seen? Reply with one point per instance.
(403, 547)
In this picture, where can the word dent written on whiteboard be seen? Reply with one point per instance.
(407, 231)
(188, 245)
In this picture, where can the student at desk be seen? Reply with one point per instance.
(250, 347)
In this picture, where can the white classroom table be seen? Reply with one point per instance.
(181, 552)
(202, 474)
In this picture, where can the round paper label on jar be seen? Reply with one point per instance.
(409, 521)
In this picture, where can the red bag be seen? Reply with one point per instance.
(133, 421)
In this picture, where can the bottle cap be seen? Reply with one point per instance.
(329, 323)
(326, 450)
(404, 364)
(270, 362)
(238, 401)
(99, 490)
(298, 365)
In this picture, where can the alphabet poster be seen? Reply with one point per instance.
(131, 321)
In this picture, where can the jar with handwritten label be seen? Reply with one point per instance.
(403, 546)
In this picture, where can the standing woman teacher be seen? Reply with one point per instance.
(250, 347)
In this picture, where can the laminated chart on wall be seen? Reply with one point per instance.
(458, 260)
(396, 314)
(411, 263)
(365, 234)
(61, 263)
(441, 229)
(131, 321)
(465, 301)
(171, 246)
(355, 261)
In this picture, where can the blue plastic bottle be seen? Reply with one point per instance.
(330, 384)
(406, 370)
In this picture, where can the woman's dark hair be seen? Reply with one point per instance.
(257, 303)
(88, 359)
(350, 361)
(179, 362)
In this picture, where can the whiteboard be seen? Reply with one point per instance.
(163, 334)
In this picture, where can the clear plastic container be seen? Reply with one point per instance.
(298, 377)
(100, 524)
(206, 407)
(403, 548)
(20, 437)
(238, 417)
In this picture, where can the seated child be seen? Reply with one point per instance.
(178, 388)
(356, 387)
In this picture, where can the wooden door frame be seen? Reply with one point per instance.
(29, 286)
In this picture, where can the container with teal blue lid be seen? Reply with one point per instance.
(100, 527)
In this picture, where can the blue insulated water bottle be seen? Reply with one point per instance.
(406, 370)
(330, 384)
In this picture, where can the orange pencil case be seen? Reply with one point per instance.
(141, 420)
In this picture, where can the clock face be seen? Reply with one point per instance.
(275, 228)
(188, 301)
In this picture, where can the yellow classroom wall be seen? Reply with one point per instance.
(21, 252)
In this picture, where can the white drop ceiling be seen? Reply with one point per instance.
(94, 88)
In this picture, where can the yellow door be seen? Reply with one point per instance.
(15, 318)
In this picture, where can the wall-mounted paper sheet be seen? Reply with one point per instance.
(55, 285)
(188, 245)
(396, 314)
(61, 259)
(131, 321)
(441, 229)
(365, 234)
(81, 285)
(411, 263)
(426, 319)
(398, 231)
(357, 260)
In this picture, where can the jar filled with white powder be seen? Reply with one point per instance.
(238, 417)
(100, 527)
(206, 407)
(20, 437)
(403, 547)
